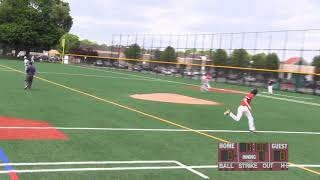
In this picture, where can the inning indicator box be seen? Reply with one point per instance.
(252, 156)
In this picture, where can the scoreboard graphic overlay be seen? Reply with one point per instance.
(252, 156)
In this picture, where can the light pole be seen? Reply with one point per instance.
(249, 78)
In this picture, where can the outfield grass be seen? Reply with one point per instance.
(65, 108)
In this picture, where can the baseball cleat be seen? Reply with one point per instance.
(227, 112)
(252, 131)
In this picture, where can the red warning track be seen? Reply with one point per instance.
(28, 134)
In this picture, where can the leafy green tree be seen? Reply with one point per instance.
(272, 61)
(157, 54)
(191, 51)
(133, 51)
(72, 41)
(87, 42)
(220, 57)
(211, 53)
(169, 55)
(205, 53)
(103, 47)
(316, 64)
(259, 61)
(33, 24)
(240, 58)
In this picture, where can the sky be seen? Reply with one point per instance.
(98, 20)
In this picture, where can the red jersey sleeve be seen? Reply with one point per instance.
(247, 98)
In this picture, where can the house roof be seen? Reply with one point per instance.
(292, 60)
(53, 51)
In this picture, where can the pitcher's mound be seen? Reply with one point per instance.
(173, 98)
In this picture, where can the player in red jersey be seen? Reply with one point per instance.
(246, 109)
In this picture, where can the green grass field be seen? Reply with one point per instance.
(68, 106)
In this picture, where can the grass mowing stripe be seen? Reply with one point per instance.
(103, 70)
(158, 130)
(88, 75)
(140, 112)
(296, 97)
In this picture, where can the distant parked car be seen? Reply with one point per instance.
(137, 68)
(146, 67)
(43, 58)
(107, 64)
(196, 73)
(166, 72)
(187, 73)
(232, 77)
(21, 54)
(99, 63)
(250, 79)
(115, 64)
(54, 59)
(174, 70)
(122, 66)
(157, 69)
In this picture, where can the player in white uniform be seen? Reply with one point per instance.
(270, 86)
(204, 83)
(209, 77)
(26, 63)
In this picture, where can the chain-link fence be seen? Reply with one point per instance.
(295, 49)
(282, 79)
(286, 43)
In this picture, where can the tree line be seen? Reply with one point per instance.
(220, 57)
(31, 25)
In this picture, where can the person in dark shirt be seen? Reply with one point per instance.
(30, 72)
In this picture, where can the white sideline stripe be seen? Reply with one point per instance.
(287, 96)
(176, 82)
(130, 162)
(162, 130)
(125, 168)
(290, 100)
(304, 165)
(92, 169)
(86, 163)
(180, 165)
